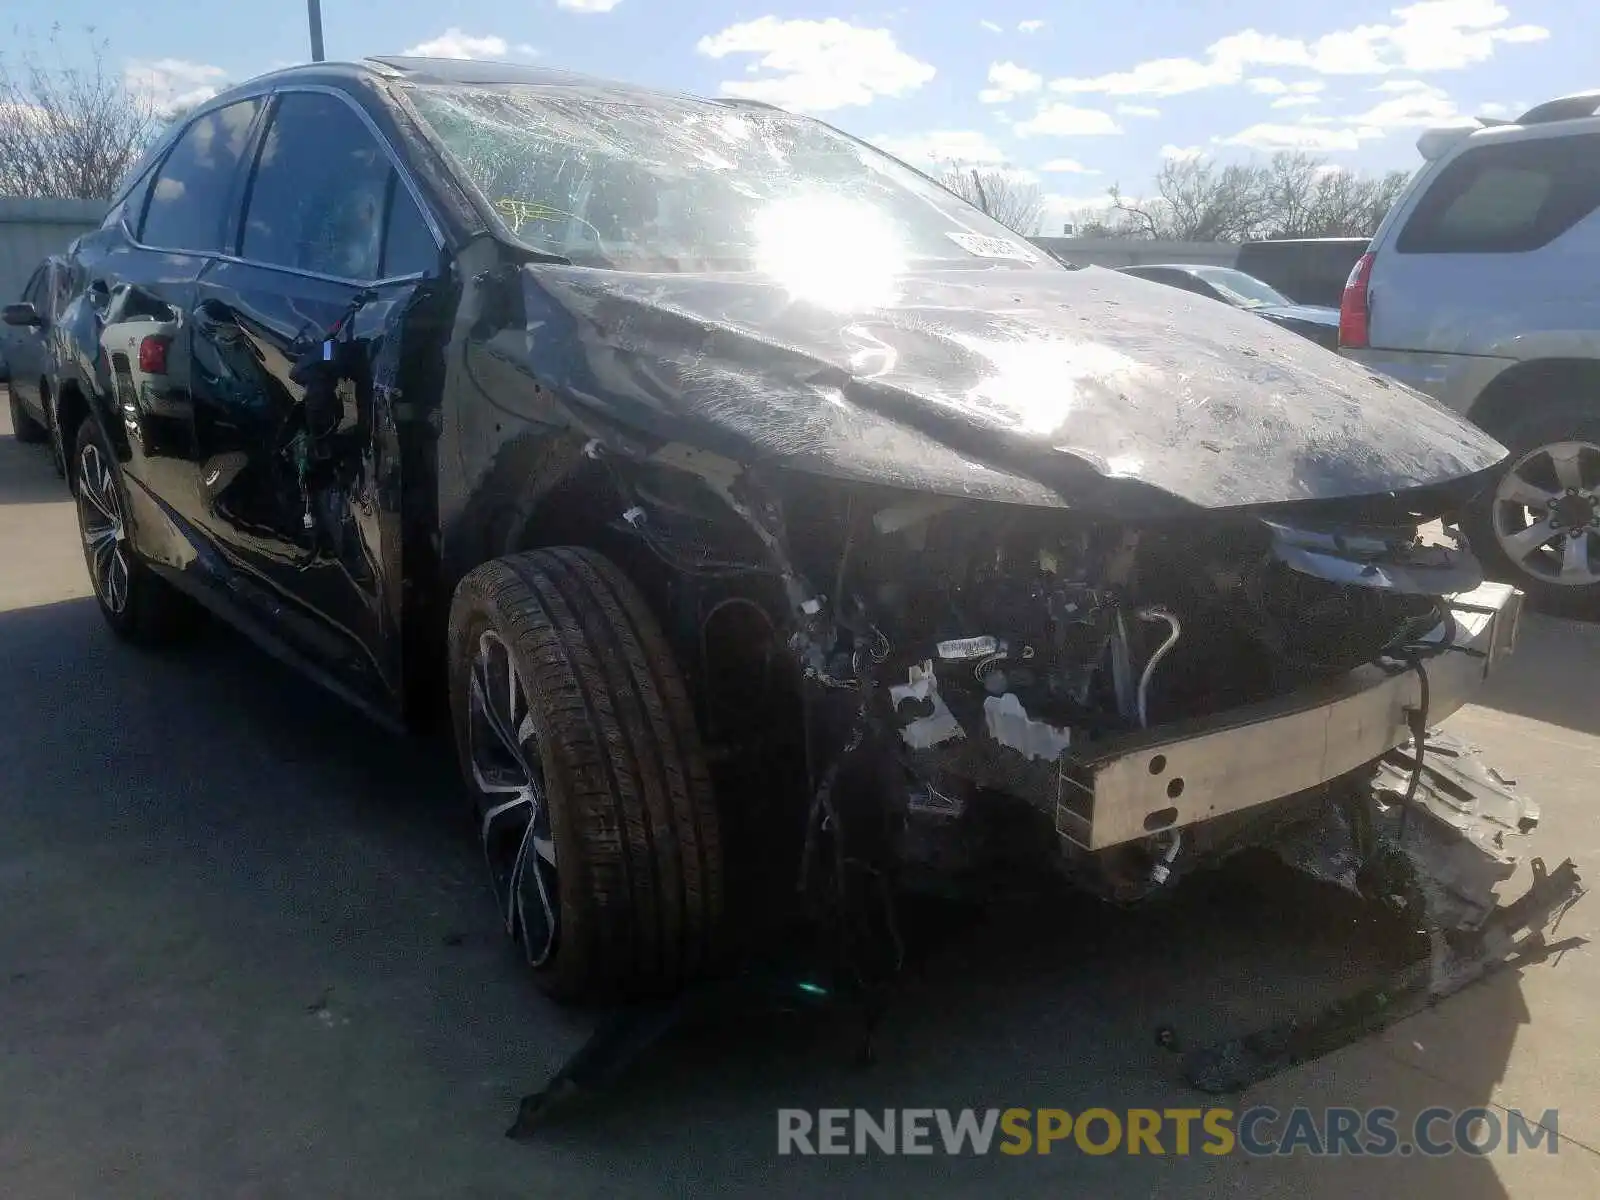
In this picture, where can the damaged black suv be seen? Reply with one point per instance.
(778, 530)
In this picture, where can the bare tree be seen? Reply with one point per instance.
(1015, 204)
(66, 131)
(1291, 195)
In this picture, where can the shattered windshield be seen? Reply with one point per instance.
(688, 185)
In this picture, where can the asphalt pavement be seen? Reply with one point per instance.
(245, 951)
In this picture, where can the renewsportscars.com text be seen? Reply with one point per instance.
(1371, 1132)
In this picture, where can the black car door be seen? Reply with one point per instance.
(133, 280)
(330, 234)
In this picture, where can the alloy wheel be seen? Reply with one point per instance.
(105, 538)
(503, 751)
(1546, 513)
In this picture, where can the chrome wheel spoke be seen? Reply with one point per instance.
(94, 493)
(1528, 541)
(98, 539)
(1515, 489)
(117, 580)
(1567, 459)
(515, 828)
(1575, 566)
(537, 939)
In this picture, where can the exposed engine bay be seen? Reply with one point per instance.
(984, 689)
(967, 667)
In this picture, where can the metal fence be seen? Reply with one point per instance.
(32, 229)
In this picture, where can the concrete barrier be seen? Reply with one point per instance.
(1127, 252)
(32, 229)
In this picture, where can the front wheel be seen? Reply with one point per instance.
(23, 427)
(578, 743)
(1538, 524)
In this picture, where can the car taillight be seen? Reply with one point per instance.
(1353, 310)
(153, 355)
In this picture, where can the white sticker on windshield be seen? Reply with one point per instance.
(992, 247)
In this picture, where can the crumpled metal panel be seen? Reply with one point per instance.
(1036, 386)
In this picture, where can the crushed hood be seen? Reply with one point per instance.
(1041, 386)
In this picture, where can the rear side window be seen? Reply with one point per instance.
(1507, 199)
(320, 190)
(191, 190)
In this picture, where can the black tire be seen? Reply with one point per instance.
(1538, 425)
(630, 824)
(143, 608)
(23, 427)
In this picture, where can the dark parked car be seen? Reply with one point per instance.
(773, 525)
(29, 357)
(1233, 287)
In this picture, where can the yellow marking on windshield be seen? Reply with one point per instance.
(519, 212)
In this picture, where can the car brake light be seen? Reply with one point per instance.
(1353, 305)
(153, 355)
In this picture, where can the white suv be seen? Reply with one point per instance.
(1482, 289)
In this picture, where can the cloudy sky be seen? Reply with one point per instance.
(1077, 93)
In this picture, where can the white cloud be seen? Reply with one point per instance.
(1137, 110)
(1402, 85)
(941, 146)
(1433, 35)
(1158, 77)
(1069, 166)
(173, 84)
(1064, 120)
(1294, 137)
(1277, 87)
(1181, 153)
(1295, 101)
(588, 6)
(990, 26)
(453, 43)
(1410, 109)
(1007, 81)
(1030, 26)
(816, 66)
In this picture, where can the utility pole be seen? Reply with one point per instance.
(314, 15)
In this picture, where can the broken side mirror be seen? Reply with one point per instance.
(21, 313)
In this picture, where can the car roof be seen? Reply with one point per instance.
(1186, 268)
(465, 72)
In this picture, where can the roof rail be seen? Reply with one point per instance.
(1564, 108)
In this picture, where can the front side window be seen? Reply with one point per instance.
(667, 184)
(191, 191)
(1507, 198)
(320, 190)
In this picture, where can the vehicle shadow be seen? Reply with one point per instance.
(248, 947)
